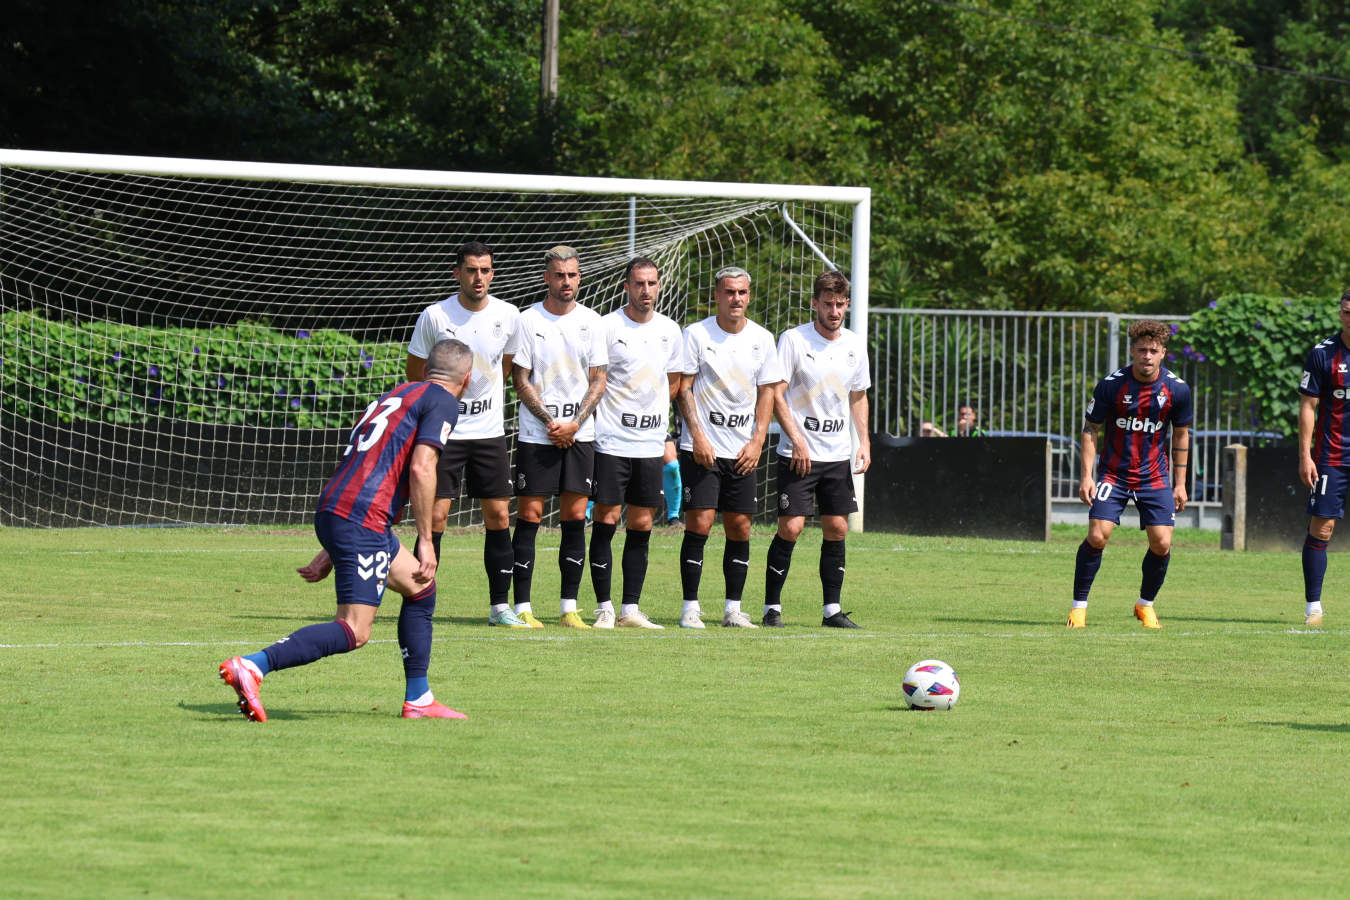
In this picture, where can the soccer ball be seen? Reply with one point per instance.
(931, 684)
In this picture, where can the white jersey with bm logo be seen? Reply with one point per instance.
(631, 418)
(491, 333)
(820, 375)
(559, 351)
(728, 370)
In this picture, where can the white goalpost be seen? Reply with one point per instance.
(189, 341)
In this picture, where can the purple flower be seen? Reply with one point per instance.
(197, 350)
(367, 361)
(1259, 325)
(1200, 357)
(220, 381)
(1214, 304)
(81, 379)
(295, 404)
(1289, 303)
(117, 356)
(1175, 328)
(1171, 357)
(302, 334)
(154, 369)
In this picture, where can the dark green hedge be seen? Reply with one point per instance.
(247, 374)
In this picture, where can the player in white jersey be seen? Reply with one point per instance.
(726, 402)
(826, 389)
(646, 357)
(559, 374)
(478, 447)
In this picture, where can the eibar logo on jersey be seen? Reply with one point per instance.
(1134, 423)
(1303, 382)
(446, 428)
(1091, 403)
(1162, 396)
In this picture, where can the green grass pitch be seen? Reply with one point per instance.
(1207, 760)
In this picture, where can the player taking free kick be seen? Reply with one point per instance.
(390, 460)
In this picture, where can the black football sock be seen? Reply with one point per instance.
(832, 570)
(602, 560)
(572, 557)
(735, 567)
(776, 570)
(691, 564)
(499, 563)
(436, 544)
(522, 552)
(635, 544)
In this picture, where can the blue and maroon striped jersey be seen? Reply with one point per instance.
(371, 483)
(1137, 416)
(1325, 377)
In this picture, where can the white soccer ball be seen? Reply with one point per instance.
(931, 684)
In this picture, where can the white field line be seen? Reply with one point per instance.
(690, 635)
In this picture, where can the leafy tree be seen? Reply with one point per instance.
(687, 89)
(1025, 167)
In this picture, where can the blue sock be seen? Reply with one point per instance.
(674, 488)
(1314, 568)
(414, 639)
(1088, 561)
(259, 659)
(1155, 570)
(313, 642)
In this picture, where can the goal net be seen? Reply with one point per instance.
(187, 341)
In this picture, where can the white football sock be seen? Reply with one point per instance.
(733, 606)
(1143, 602)
(832, 609)
(566, 606)
(1312, 608)
(606, 605)
(1080, 604)
(690, 605)
(776, 607)
(523, 608)
(627, 609)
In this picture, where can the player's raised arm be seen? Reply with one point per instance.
(1086, 485)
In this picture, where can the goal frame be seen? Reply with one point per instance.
(859, 199)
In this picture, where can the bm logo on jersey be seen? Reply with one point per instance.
(828, 426)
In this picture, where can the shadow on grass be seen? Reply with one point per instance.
(973, 620)
(1222, 620)
(1343, 728)
(229, 711)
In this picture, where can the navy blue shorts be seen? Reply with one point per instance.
(1327, 498)
(1156, 506)
(361, 558)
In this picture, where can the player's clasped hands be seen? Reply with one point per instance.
(562, 434)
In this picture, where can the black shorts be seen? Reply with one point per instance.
(718, 488)
(830, 484)
(542, 470)
(482, 464)
(622, 479)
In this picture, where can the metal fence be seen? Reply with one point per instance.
(1032, 373)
